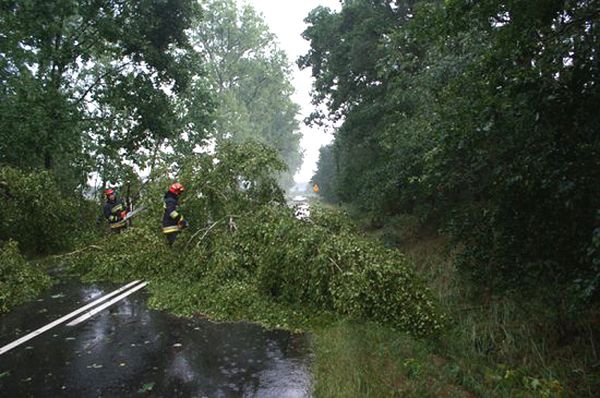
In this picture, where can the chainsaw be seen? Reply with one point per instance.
(133, 213)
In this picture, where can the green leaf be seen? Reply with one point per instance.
(146, 388)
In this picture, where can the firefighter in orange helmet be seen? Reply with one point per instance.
(173, 221)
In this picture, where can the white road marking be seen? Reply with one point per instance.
(65, 318)
(105, 305)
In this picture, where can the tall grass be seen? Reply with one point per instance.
(367, 360)
(508, 345)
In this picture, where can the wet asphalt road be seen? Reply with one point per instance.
(129, 350)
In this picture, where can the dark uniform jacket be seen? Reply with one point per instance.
(112, 212)
(172, 217)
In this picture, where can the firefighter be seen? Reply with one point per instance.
(173, 221)
(114, 211)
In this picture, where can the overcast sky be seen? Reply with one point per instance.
(286, 20)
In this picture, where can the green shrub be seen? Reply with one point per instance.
(19, 280)
(35, 214)
(378, 284)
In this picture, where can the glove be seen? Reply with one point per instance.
(123, 215)
(183, 224)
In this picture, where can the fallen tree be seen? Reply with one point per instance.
(269, 267)
(20, 280)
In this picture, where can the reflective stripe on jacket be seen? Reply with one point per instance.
(112, 212)
(171, 216)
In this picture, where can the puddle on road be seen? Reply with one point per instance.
(129, 350)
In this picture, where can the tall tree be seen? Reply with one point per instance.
(251, 77)
(81, 77)
(347, 55)
(482, 113)
(326, 175)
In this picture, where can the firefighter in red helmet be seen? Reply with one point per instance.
(114, 211)
(173, 221)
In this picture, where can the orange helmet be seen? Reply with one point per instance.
(177, 188)
(108, 192)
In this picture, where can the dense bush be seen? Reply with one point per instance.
(19, 280)
(481, 113)
(35, 213)
(380, 285)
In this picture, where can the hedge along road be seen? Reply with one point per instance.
(127, 349)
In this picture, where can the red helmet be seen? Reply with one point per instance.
(177, 188)
(108, 192)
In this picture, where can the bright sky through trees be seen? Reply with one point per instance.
(286, 20)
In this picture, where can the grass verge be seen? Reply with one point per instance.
(496, 346)
(368, 360)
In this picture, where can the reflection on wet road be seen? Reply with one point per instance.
(130, 350)
(301, 207)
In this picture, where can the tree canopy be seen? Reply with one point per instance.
(481, 114)
(251, 76)
(87, 82)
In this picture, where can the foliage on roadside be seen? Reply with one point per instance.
(482, 114)
(36, 214)
(19, 280)
(481, 117)
(496, 345)
(368, 360)
(363, 359)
